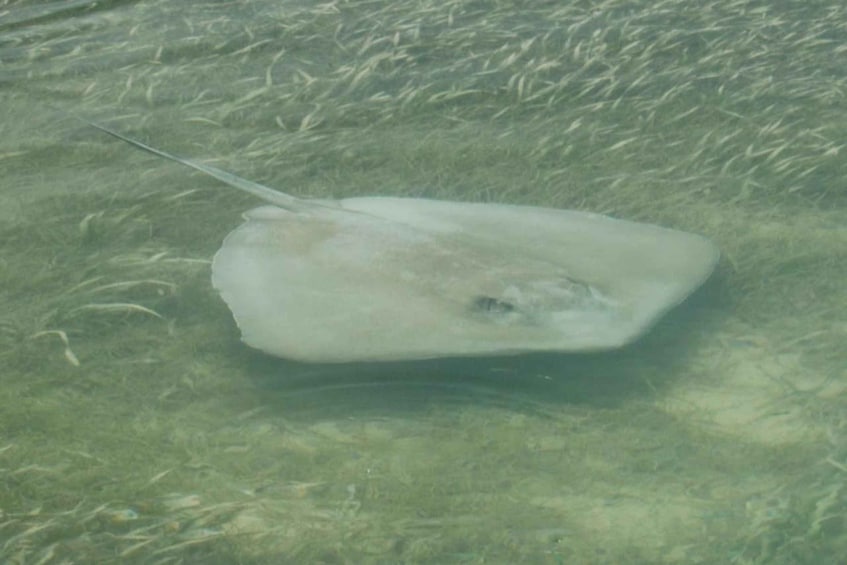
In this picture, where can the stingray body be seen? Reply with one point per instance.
(388, 279)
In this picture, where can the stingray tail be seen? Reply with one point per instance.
(266, 193)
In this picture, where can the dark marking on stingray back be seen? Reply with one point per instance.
(490, 305)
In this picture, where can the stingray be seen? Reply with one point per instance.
(381, 278)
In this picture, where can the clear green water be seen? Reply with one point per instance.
(156, 437)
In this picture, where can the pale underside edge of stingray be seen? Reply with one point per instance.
(389, 279)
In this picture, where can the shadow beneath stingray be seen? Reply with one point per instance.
(521, 382)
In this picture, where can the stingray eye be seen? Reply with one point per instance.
(492, 305)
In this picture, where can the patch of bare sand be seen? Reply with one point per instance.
(748, 387)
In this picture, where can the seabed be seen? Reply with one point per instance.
(136, 428)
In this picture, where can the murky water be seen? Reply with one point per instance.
(135, 427)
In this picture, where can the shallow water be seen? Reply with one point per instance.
(134, 425)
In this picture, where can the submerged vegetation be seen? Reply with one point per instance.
(135, 428)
